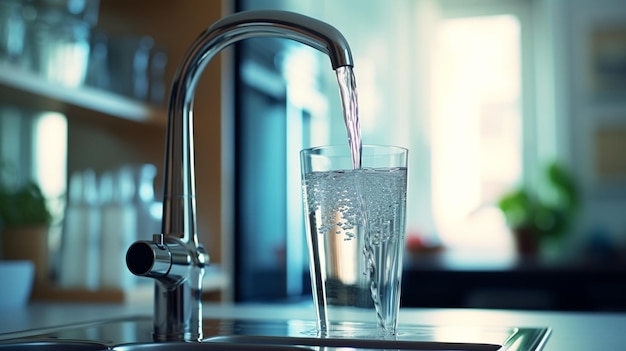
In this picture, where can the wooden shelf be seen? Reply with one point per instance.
(24, 88)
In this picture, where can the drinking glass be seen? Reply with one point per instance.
(355, 224)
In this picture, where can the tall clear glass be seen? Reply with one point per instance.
(355, 224)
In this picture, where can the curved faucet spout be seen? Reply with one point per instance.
(179, 200)
(175, 258)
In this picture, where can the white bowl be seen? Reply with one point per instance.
(17, 283)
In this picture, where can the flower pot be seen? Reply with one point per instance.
(28, 243)
(526, 242)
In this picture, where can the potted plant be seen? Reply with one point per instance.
(543, 214)
(24, 223)
(24, 206)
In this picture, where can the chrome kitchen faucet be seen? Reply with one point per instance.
(175, 258)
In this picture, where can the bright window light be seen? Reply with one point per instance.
(50, 157)
(476, 128)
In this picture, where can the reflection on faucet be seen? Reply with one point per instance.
(175, 258)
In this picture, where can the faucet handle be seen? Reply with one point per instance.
(158, 239)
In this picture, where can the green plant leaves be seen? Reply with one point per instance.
(23, 206)
(544, 216)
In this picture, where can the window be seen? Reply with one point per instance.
(476, 129)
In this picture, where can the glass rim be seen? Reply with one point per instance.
(346, 148)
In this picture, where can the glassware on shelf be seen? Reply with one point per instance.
(106, 213)
(59, 41)
(11, 30)
(158, 63)
(48, 37)
(98, 74)
(117, 229)
(129, 62)
(59, 49)
(57, 36)
(79, 251)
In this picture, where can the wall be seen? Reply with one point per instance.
(594, 115)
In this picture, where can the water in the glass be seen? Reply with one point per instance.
(355, 231)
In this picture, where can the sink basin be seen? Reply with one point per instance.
(52, 345)
(357, 344)
(182, 346)
(409, 337)
(135, 334)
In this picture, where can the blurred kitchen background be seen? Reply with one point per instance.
(514, 112)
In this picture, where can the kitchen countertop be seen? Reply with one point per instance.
(571, 331)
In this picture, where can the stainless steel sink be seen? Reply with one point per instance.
(182, 346)
(135, 334)
(362, 336)
(52, 345)
(66, 345)
(331, 344)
